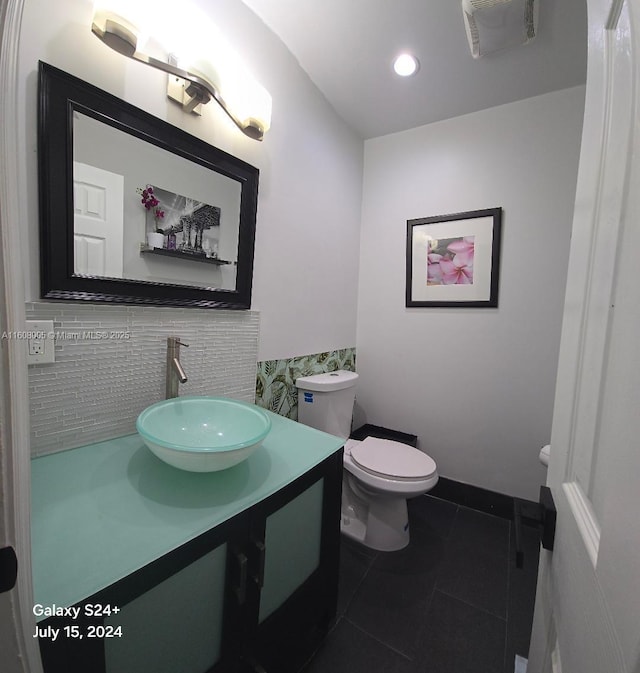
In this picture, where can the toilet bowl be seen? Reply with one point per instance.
(378, 474)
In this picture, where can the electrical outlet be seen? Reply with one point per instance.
(36, 345)
(40, 340)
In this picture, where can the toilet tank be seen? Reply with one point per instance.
(325, 401)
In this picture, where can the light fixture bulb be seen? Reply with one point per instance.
(406, 65)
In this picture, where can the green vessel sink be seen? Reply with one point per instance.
(203, 434)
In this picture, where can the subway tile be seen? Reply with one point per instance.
(97, 387)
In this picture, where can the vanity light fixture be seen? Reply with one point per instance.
(406, 65)
(207, 68)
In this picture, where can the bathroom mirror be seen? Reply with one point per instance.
(134, 210)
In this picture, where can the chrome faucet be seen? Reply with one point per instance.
(175, 372)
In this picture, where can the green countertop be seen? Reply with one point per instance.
(102, 511)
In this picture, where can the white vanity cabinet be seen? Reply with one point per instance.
(254, 592)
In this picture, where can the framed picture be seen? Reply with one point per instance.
(454, 260)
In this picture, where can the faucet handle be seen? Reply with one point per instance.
(174, 341)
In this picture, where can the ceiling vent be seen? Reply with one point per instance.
(493, 25)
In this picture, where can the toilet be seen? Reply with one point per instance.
(378, 474)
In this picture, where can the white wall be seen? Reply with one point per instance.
(310, 168)
(476, 385)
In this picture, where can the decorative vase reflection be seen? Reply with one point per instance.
(192, 237)
(155, 239)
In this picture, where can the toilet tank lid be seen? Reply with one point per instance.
(328, 381)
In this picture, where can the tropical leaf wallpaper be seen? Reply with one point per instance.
(275, 385)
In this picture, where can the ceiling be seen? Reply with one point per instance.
(346, 47)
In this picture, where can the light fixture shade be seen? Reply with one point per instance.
(204, 57)
(248, 100)
(119, 16)
(120, 34)
(493, 25)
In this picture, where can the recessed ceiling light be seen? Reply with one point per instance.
(406, 65)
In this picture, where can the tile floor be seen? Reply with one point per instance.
(451, 602)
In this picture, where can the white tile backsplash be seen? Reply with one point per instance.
(110, 365)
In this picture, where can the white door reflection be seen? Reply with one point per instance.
(98, 221)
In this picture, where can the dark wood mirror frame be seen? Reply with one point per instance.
(60, 95)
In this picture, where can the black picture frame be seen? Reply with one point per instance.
(454, 260)
(60, 95)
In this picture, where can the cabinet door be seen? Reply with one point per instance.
(182, 612)
(296, 534)
(292, 539)
(175, 626)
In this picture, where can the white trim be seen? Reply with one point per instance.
(556, 664)
(614, 14)
(601, 272)
(595, 240)
(16, 427)
(585, 519)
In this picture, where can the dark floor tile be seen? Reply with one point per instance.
(433, 514)
(392, 600)
(477, 618)
(355, 562)
(478, 530)
(475, 577)
(458, 638)
(417, 562)
(522, 591)
(475, 567)
(348, 649)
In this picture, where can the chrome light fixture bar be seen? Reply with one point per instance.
(121, 36)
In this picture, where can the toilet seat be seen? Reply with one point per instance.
(391, 460)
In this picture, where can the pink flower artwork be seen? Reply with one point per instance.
(450, 261)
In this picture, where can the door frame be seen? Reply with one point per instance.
(17, 612)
